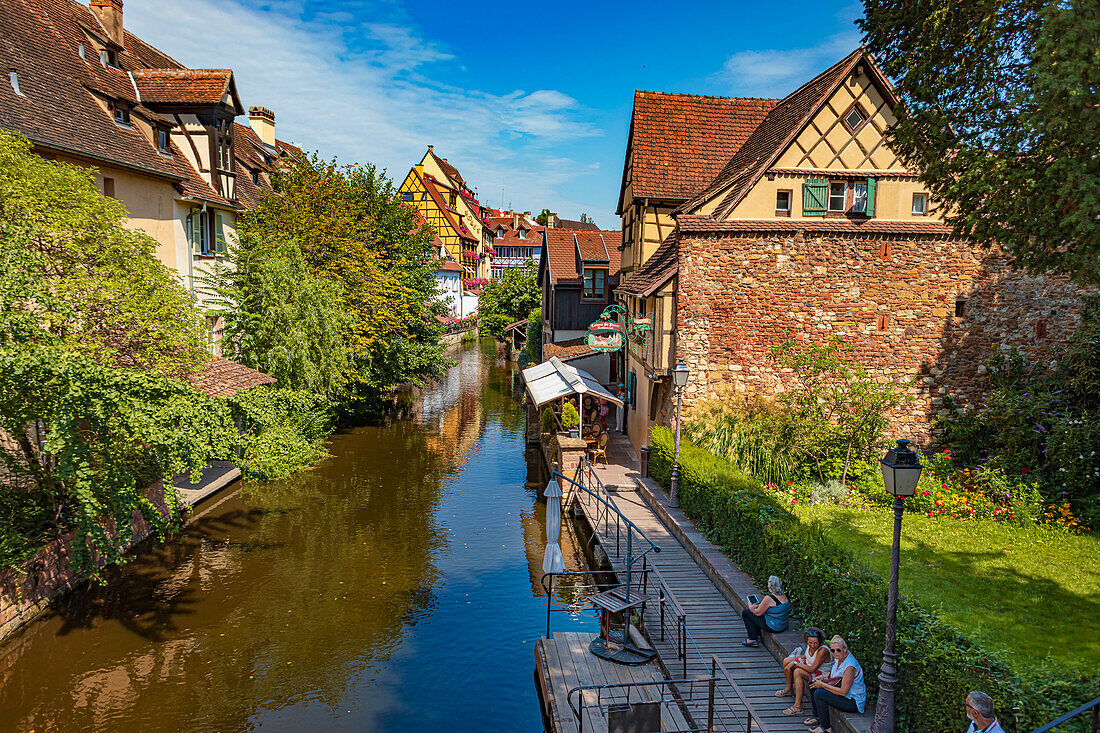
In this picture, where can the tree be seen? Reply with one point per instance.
(586, 219)
(508, 298)
(543, 217)
(65, 252)
(281, 318)
(352, 227)
(1000, 101)
(837, 410)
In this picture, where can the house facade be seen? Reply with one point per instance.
(444, 200)
(517, 241)
(578, 273)
(814, 228)
(162, 138)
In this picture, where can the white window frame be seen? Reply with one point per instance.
(843, 196)
(790, 201)
(923, 198)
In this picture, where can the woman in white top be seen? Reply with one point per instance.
(806, 666)
(844, 690)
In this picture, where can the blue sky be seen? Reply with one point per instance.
(529, 97)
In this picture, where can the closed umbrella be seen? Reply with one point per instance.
(552, 560)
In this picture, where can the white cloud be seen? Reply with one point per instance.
(777, 73)
(373, 92)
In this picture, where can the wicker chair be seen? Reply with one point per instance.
(600, 449)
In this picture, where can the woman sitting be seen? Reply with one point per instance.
(843, 690)
(800, 670)
(773, 613)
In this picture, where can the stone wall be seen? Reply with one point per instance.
(892, 297)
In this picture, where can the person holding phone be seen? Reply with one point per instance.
(773, 613)
(843, 690)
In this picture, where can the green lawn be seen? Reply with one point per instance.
(1028, 591)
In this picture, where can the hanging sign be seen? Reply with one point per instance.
(604, 336)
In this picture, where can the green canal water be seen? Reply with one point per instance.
(394, 588)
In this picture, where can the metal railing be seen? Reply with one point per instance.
(678, 701)
(1093, 706)
(673, 623)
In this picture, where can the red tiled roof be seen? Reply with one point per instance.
(591, 246)
(448, 266)
(430, 186)
(687, 224)
(779, 128)
(562, 253)
(511, 236)
(661, 266)
(588, 226)
(679, 142)
(449, 170)
(224, 378)
(184, 86)
(568, 350)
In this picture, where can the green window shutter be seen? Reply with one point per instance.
(815, 197)
(219, 233)
(196, 231)
(870, 197)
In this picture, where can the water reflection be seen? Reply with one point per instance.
(393, 588)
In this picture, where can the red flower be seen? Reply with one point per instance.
(1025, 470)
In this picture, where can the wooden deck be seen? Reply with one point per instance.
(564, 662)
(715, 627)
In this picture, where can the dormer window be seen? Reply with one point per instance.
(523, 233)
(122, 116)
(595, 284)
(109, 57)
(14, 79)
(164, 140)
(500, 231)
(256, 177)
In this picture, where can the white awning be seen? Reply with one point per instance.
(553, 379)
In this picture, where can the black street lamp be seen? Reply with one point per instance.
(900, 471)
(680, 375)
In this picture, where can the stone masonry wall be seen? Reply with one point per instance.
(739, 296)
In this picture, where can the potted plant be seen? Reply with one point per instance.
(570, 419)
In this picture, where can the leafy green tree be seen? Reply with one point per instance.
(282, 318)
(352, 227)
(1000, 117)
(543, 217)
(586, 219)
(837, 410)
(71, 273)
(87, 439)
(509, 298)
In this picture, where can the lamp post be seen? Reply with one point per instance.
(900, 472)
(680, 375)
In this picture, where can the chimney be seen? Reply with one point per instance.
(109, 13)
(515, 220)
(262, 122)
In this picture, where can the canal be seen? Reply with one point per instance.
(394, 588)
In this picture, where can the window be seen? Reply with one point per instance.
(594, 284)
(859, 198)
(164, 140)
(122, 116)
(109, 57)
(854, 118)
(838, 191)
(782, 203)
(256, 177)
(500, 231)
(14, 78)
(406, 197)
(960, 307)
(424, 196)
(200, 232)
(109, 187)
(454, 199)
(523, 234)
(80, 51)
(920, 204)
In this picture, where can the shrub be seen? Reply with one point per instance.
(549, 420)
(570, 418)
(829, 589)
(752, 433)
(282, 430)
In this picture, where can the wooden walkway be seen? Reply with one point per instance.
(715, 628)
(564, 663)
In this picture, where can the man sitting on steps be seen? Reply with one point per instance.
(979, 709)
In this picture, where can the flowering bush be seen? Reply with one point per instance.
(490, 251)
(975, 493)
(469, 254)
(473, 283)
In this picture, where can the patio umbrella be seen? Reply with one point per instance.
(552, 560)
